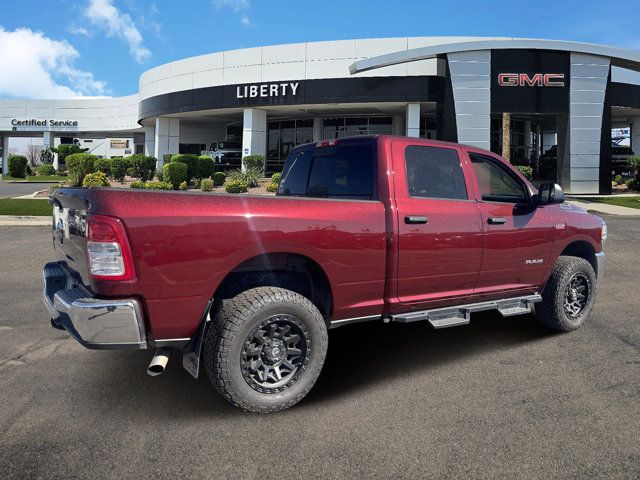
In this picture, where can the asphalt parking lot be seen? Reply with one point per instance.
(501, 398)
(14, 189)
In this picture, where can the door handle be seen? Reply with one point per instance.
(415, 219)
(497, 220)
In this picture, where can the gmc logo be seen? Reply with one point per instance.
(537, 80)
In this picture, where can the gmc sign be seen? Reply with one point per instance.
(536, 80)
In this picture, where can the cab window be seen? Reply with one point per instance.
(434, 172)
(497, 183)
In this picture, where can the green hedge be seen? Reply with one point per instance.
(191, 161)
(46, 169)
(236, 186)
(78, 166)
(98, 179)
(17, 166)
(219, 178)
(144, 167)
(205, 166)
(103, 165)
(527, 172)
(175, 173)
(276, 177)
(206, 185)
(254, 162)
(119, 166)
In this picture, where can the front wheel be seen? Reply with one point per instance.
(264, 350)
(568, 297)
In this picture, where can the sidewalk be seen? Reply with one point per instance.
(603, 207)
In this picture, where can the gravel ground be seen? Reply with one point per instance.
(500, 398)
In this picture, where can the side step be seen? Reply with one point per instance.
(461, 315)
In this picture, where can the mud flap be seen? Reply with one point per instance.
(191, 353)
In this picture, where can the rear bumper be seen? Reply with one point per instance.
(600, 264)
(95, 323)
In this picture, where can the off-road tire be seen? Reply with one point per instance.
(225, 339)
(551, 311)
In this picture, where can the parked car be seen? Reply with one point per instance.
(366, 229)
(227, 153)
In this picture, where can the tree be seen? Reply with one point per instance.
(65, 150)
(46, 155)
(506, 136)
(33, 155)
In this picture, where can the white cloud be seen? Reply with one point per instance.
(237, 6)
(104, 15)
(78, 30)
(35, 66)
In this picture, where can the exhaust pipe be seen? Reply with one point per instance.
(159, 361)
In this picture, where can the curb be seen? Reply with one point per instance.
(15, 220)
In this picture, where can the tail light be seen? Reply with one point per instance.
(108, 249)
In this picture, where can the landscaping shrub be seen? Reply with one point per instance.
(29, 171)
(79, 165)
(251, 176)
(66, 150)
(634, 166)
(143, 167)
(632, 184)
(137, 184)
(46, 169)
(103, 165)
(191, 161)
(273, 187)
(98, 179)
(617, 179)
(182, 186)
(219, 178)
(159, 175)
(130, 171)
(276, 177)
(175, 173)
(206, 184)
(255, 162)
(158, 186)
(527, 172)
(166, 158)
(236, 186)
(118, 168)
(205, 166)
(17, 166)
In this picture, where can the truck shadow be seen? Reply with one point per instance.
(359, 356)
(365, 354)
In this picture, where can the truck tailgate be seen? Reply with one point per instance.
(68, 230)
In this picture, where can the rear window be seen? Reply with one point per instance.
(345, 171)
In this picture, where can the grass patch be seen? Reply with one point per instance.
(631, 202)
(36, 208)
(38, 178)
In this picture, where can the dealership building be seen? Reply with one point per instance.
(564, 99)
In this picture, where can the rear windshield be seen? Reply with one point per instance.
(342, 171)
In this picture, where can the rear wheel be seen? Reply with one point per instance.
(568, 297)
(265, 349)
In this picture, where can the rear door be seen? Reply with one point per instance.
(440, 229)
(517, 236)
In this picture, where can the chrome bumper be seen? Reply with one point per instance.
(600, 264)
(95, 323)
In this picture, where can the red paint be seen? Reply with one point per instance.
(535, 80)
(184, 244)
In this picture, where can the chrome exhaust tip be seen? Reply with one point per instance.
(159, 362)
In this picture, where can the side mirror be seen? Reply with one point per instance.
(548, 194)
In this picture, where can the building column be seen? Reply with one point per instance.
(413, 120)
(254, 132)
(397, 125)
(634, 123)
(150, 141)
(166, 138)
(5, 155)
(587, 89)
(317, 129)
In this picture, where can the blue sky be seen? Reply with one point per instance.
(65, 48)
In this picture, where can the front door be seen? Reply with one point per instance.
(440, 229)
(518, 237)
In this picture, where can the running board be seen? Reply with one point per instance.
(461, 315)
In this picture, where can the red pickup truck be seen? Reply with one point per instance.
(373, 228)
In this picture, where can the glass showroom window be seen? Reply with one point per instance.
(352, 126)
(282, 136)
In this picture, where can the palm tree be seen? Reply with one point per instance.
(506, 136)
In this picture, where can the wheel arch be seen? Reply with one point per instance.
(583, 249)
(292, 271)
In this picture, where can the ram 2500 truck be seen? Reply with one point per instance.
(362, 229)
